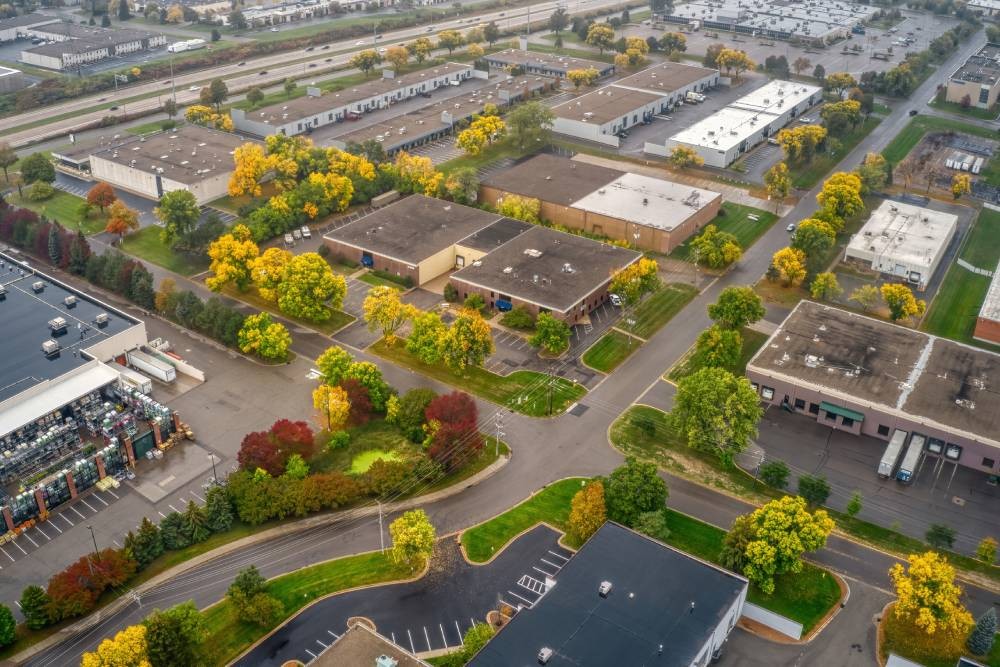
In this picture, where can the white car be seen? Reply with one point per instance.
(289, 240)
(297, 235)
(790, 227)
(615, 300)
(360, 42)
(306, 234)
(274, 30)
(194, 89)
(382, 50)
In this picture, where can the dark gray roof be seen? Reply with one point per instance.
(552, 179)
(27, 20)
(414, 228)
(552, 269)
(362, 647)
(24, 317)
(653, 586)
(495, 235)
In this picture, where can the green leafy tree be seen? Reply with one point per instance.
(530, 124)
(491, 33)
(172, 532)
(775, 473)
(986, 551)
(37, 167)
(467, 342)
(981, 640)
(195, 523)
(35, 607)
(218, 93)
(733, 554)
(867, 296)
(737, 307)
(267, 339)
(250, 598)
(174, 636)
(551, 334)
(296, 467)
(940, 536)
(218, 509)
(654, 524)
(307, 286)
(333, 365)
(255, 96)
(179, 213)
(815, 238)
(170, 108)
(370, 377)
(632, 489)
(426, 334)
(475, 639)
(413, 538)
(718, 347)
(587, 511)
(716, 412)
(854, 504)
(8, 626)
(714, 248)
(825, 287)
(8, 158)
(146, 545)
(814, 489)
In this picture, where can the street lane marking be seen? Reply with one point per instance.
(29, 539)
(88, 505)
(428, 638)
(77, 512)
(101, 499)
(413, 649)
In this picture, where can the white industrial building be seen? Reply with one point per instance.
(733, 130)
(602, 114)
(986, 7)
(304, 114)
(903, 241)
(781, 19)
(68, 45)
(18, 26)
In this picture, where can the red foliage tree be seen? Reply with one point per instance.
(457, 437)
(361, 404)
(75, 590)
(101, 195)
(293, 438)
(258, 451)
(456, 409)
(41, 245)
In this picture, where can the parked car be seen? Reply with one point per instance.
(289, 240)
(297, 234)
(263, 72)
(790, 227)
(913, 112)
(615, 300)
(306, 234)
(274, 30)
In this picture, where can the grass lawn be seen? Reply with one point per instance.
(375, 281)
(63, 207)
(551, 505)
(955, 308)
(337, 321)
(494, 153)
(896, 641)
(228, 636)
(910, 136)
(659, 307)
(808, 175)
(363, 461)
(568, 37)
(612, 349)
(971, 112)
(752, 341)
(234, 204)
(376, 437)
(607, 56)
(146, 244)
(735, 222)
(527, 392)
(150, 127)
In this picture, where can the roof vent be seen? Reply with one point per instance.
(508, 269)
(37, 286)
(101, 319)
(385, 661)
(545, 655)
(531, 252)
(604, 589)
(69, 301)
(50, 348)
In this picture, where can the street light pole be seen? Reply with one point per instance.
(215, 475)
(94, 538)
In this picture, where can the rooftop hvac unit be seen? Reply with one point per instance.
(604, 589)
(50, 348)
(102, 319)
(37, 286)
(69, 301)
(57, 324)
(385, 661)
(545, 655)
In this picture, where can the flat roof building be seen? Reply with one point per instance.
(315, 109)
(777, 19)
(191, 157)
(866, 376)
(985, 7)
(361, 646)
(70, 45)
(544, 270)
(903, 241)
(545, 64)
(18, 26)
(733, 130)
(988, 322)
(662, 607)
(649, 213)
(602, 114)
(978, 79)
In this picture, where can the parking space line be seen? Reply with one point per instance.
(472, 622)
(311, 653)
(8, 555)
(39, 529)
(413, 649)
(558, 556)
(77, 512)
(550, 563)
(547, 574)
(30, 540)
(52, 525)
(333, 634)
(88, 505)
(322, 644)
(62, 516)
(197, 496)
(114, 494)
(171, 507)
(392, 635)
(101, 499)
(443, 638)
(461, 639)
(20, 548)
(428, 638)
(162, 515)
(526, 600)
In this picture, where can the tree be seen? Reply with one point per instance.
(901, 302)
(735, 61)
(839, 82)
(398, 56)
(529, 124)
(255, 96)
(411, 415)
(653, 524)
(981, 640)
(873, 172)
(520, 208)
(789, 263)
(814, 238)
(450, 39)
(716, 412)
(819, 73)
(123, 10)
(475, 639)
(718, 348)
(179, 213)
(929, 600)
(559, 20)
(237, 20)
(683, 157)
(715, 249)
(601, 35)
(253, 604)
(779, 534)
(34, 607)
(370, 377)
(307, 286)
(866, 296)
(365, 60)
(218, 92)
(825, 287)
(711, 59)
(121, 219)
(482, 132)
(940, 536)
(426, 336)
(673, 41)
(250, 163)
(195, 523)
(8, 626)
(146, 545)
(986, 551)
(633, 488)
(333, 364)
(385, 311)
(332, 406)
(296, 467)
(474, 36)
(491, 33)
(174, 636)
(814, 489)
(778, 183)
(800, 65)
(635, 280)
(421, 48)
(841, 116)
(551, 334)
(960, 184)
(583, 77)
(218, 509)
(172, 531)
(290, 87)
(737, 307)
(232, 255)
(733, 554)
(775, 473)
(587, 512)
(800, 143)
(413, 538)
(101, 195)
(128, 648)
(267, 339)
(8, 158)
(462, 185)
(467, 342)
(854, 504)
(841, 195)
(37, 167)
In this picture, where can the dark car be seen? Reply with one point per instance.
(241, 63)
(425, 94)
(328, 60)
(112, 108)
(913, 112)
(312, 64)
(326, 48)
(262, 72)
(310, 48)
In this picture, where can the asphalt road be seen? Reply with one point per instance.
(544, 450)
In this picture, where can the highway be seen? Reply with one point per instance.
(263, 71)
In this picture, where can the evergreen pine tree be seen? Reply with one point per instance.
(195, 523)
(173, 533)
(79, 251)
(55, 248)
(34, 605)
(980, 641)
(218, 509)
(149, 541)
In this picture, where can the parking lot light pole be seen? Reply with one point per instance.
(215, 475)
(94, 538)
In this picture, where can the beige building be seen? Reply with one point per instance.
(978, 79)
(649, 213)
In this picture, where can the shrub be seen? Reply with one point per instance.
(775, 473)
(815, 490)
(474, 302)
(168, 125)
(405, 281)
(450, 293)
(40, 191)
(339, 440)
(518, 318)
(940, 536)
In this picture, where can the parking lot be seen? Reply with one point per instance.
(432, 613)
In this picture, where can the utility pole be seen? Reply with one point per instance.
(94, 538)
(381, 536)
(500, 433)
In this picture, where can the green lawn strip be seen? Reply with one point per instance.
(610, 350)
(573, 53)
(659, 307)
(955, 307)
(896, 641)
(550, 505)
(527, 392)
(971, 112)
(150, 127)
(911, 134)
(810, 174)
(752, 341)
(376, 281)
(228, 636)
(146, 244)
(494, 153)
(363, 461)
(64, 207)
(30, 70)
(568, 37)
(337, 321)
(734, 221)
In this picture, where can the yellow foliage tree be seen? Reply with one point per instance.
(733, 60)
(929, 599)
(232, 255)
(475, 51)
(636, 279)
(583, 77)
(901, 302)
(960, 184)
(790, 264)
(175, 14)
(121, 219)
(483, 131)
(332, 406)
(268, 270)
(527, 209)
(127, 649)
(840, 196)
(799, 143)
(386, 312)
(683, 157)
(250, 163)
(417, 174)
(587, 512)
(398, 56)
(199, 114)
(601, 35)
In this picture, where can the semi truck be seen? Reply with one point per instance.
(189, 45)
(134, 379)
(892, 452)
(908, 468)
(146, 363)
